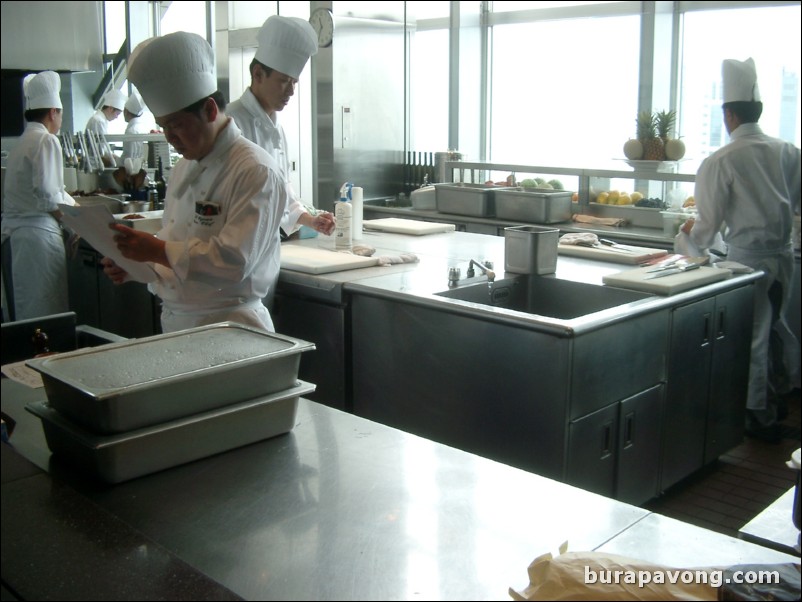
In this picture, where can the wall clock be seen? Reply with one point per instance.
(322, 22)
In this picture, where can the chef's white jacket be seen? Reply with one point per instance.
(752, 186)
(34, 186)
(221, 227)
(259, 128)
(98, 123)
(138, 125)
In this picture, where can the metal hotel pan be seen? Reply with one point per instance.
(125, 386)
(117, 458)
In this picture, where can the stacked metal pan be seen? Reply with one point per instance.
(128, 409)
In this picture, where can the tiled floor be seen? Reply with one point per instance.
(729, 493)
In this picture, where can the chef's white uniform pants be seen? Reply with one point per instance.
(39, 272)
(778, 269)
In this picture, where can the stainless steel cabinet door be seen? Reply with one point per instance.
(687, 390)
(729, 376)
(639, 446)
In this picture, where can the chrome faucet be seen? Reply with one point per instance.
(454, 273)
(486, 270)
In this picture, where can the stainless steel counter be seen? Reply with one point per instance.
(774, 527)
(340, 508)
(437, 252)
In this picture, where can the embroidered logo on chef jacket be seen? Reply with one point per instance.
(206, 212)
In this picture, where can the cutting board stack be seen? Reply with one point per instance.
(127, 409)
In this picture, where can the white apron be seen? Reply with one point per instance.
(778, 266)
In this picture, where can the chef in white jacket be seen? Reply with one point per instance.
(138, 119)
(33, 245)
(113, 105)
(752, 187)
(285, 45)
(218, 250)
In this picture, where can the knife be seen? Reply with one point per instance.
(615, 245)
(673, 270)
(667, 265)
(601, 247)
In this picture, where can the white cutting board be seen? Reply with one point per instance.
(640, 255)
(399, 225)
(312, 260)
(667, 285)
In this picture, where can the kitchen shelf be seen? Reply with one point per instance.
(666, 185)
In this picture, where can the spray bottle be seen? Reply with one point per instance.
(343, 234)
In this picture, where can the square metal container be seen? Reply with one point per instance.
(530, 249)
(466, 199)
(117, 458)
(125, 386)
(537, 206)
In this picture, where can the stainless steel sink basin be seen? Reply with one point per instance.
(545, 296)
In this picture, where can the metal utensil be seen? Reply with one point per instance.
(591, 245)
(674, 270)
(614, 245)
(667, 265)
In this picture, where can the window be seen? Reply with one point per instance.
(189, 15)
(771, 36)
(428, 75)
(563, 78)
(563, 92)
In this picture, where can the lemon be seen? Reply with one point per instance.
(602, 198)
(612, 198)
(689, 202)
(624, 199)
(636, 196)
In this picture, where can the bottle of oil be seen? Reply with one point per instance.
(153, 197)
(40, 342)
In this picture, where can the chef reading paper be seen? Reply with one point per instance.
(217, 254)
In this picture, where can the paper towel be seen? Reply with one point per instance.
(356, 215)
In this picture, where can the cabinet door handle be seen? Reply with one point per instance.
(607, 440)
(706, 333)
(722, 314)
(629, 430)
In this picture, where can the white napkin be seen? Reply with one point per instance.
(403, 258)
(580, 238)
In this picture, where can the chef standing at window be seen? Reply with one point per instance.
(752, 186)
(217, 253)
(33, 245)
(285, 45)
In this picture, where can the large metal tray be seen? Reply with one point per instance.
(538, 207)
(118, 458)
(125, 386)
(466, 199)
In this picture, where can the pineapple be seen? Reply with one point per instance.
(647, 134)
(664, 122)
(673, 148)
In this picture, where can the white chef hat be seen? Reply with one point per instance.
(135, 105)
(115, 99)
(739, 80)
(285, 44)
(42, 91)
(173, 71)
